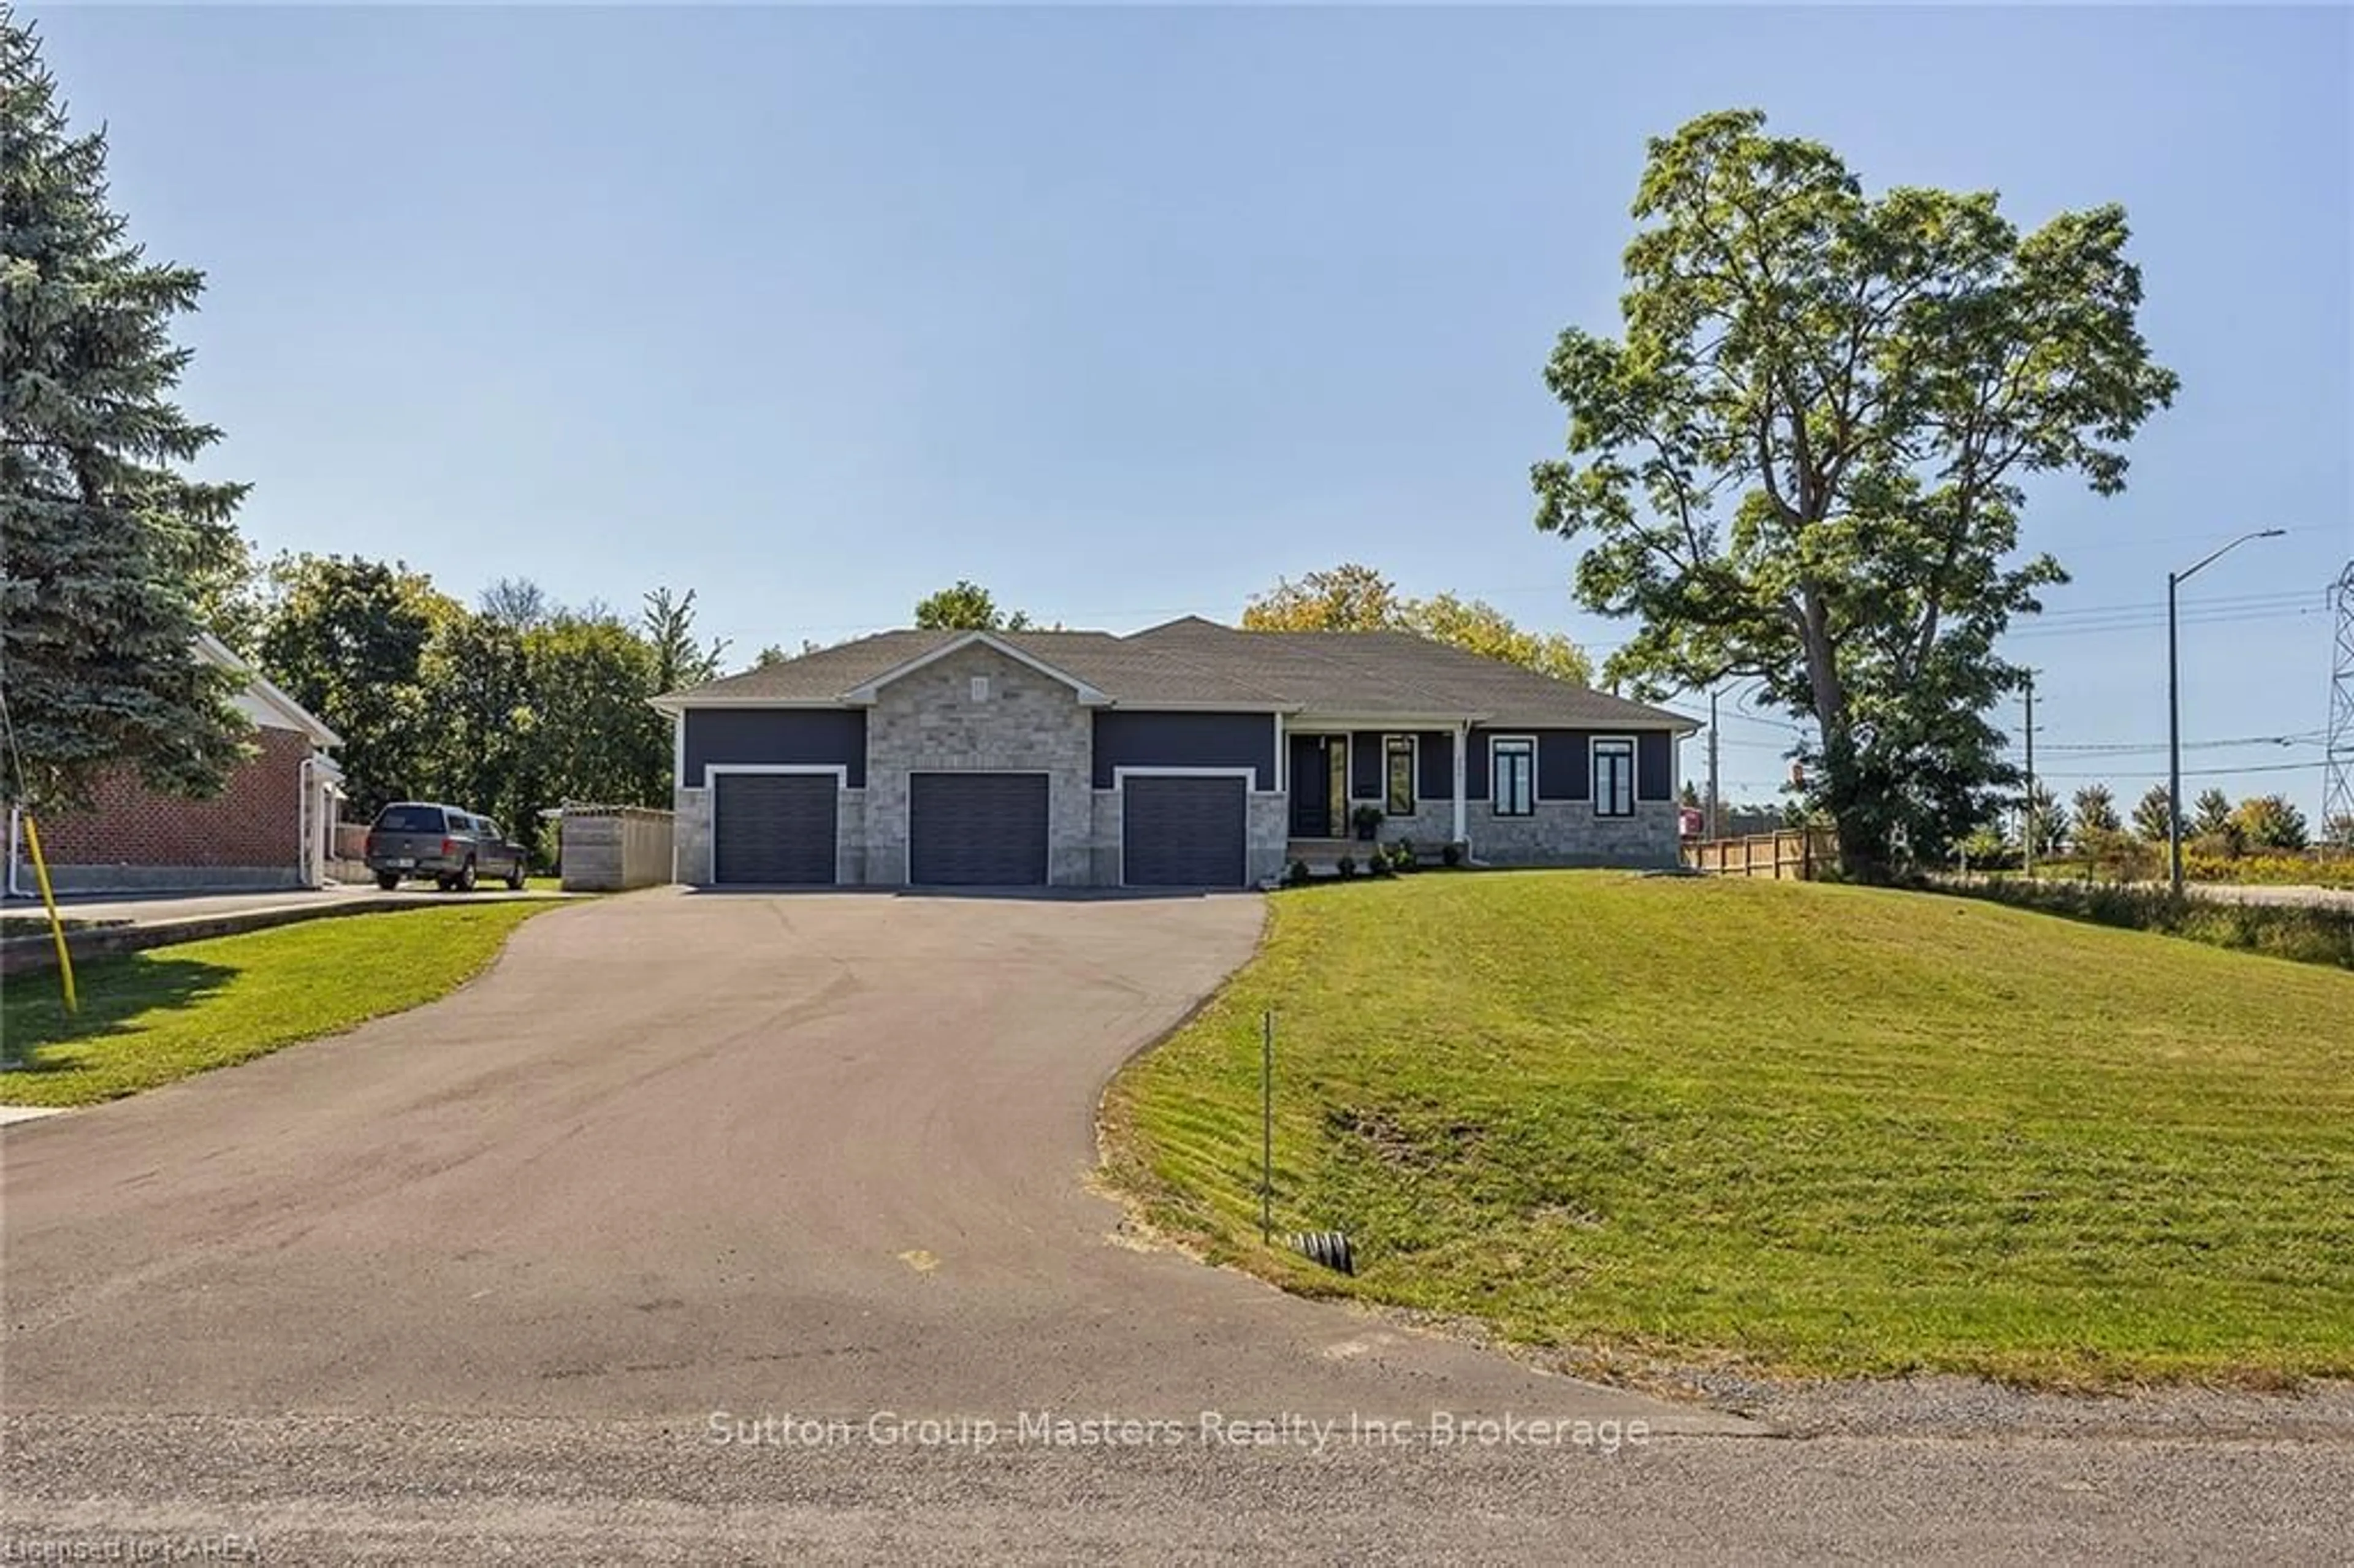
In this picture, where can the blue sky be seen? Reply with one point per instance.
(1127, 312)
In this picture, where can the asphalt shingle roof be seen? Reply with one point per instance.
(1340, 675)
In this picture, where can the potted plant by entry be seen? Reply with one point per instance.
(1367, 820)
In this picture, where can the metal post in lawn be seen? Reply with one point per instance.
(2035, 822)
(1267, 1126)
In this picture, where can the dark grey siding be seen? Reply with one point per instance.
(1564, 768)
(1565, 765)
(1655, 766)
(1437, 780)
(776, 735)
(1182, 833)
(773, 827)
(1366, 766)
(976, 829)
(1126, 739)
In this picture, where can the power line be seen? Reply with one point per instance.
(2313, 738)
(2153, 623)
(2215, 772)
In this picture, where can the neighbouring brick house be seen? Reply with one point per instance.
(270, 826)
(1188, 754)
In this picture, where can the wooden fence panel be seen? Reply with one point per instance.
(1789, 855)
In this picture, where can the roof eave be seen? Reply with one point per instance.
(300, 719)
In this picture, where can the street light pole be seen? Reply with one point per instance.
(2174, 581)
(2173, 742)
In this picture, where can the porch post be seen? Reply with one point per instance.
(1462, 744)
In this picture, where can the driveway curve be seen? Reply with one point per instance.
(678, 1153)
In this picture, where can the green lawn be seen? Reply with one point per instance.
(1811, 1128)
(151, 1017)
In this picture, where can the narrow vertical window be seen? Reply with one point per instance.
(1400, 755)
(1614, 778)
(1513, 787)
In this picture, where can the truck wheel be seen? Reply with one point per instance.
(514, 877)
(465, 882)
(387, 880)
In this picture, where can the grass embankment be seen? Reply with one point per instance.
(1816, 1128)
(149, 1018)
(2310, 934)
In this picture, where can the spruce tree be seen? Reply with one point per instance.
(109, 553)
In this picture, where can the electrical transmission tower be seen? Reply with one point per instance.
(2338, 784)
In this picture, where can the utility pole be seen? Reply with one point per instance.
(1712, 763)
(2027, 829)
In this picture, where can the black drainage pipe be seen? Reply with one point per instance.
(1330, 1248)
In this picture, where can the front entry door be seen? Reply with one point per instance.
(1320, 785)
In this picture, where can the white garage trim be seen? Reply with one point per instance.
(1120, 776)
(840, 770)
(907, 815)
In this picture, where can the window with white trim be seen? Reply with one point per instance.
(1399, 755)
(1512, 776)
(1614, 778)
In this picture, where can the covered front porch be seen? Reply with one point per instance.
(1409, 769)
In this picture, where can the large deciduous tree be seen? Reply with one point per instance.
(111, 559)
(1355, 598)
(967, 607)
(1347, 598)
(347, 639)
(1804, 458)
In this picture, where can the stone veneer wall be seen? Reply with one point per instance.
(1567, 832)
(691, 836)
(928, 720)
(1103, 842)
(1562, 832)
(1269, 830)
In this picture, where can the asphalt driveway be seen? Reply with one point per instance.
(684, 1152)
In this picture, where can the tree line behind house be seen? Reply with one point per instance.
(2261, 838)
(516, 704)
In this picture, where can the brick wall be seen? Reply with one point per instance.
(252, 822)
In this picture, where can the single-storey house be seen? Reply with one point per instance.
(271, 825)
(1188, 754)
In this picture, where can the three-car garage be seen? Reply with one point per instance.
(977, 829)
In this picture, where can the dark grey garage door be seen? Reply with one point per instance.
(773, 827)
(1181, 833)
(976, 829)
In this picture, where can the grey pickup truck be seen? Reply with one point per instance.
(412, 840)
